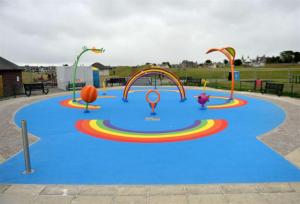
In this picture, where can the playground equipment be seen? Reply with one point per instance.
(150, 71)
(84, 49)
(88, 94)
(229, 52)
(203, 98)
(153, 103)
(204, 85)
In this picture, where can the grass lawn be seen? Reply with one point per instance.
(270, 71)
(218, 76)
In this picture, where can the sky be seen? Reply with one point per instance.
(133, 32)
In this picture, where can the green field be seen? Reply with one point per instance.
(221, 73)
(217, 77)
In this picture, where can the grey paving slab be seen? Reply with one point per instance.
(3, 188)
(282, 198)
(294, 157)
(24, 189)
(93, 200)
(208, 198)
(16, 199)
(239, 188)
(167, 190)
(204, 189)
(164, 199)
(285, 138)
(10, 135)
(132, 190)
(98, 190)
(50, 199)
(130, 200)
(250, 198)
(274, 188)
(60, 190)
(295, 187)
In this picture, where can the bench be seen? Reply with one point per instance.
(273, 88)
(190, 81)
(196, 82)
(78, 86)
(119, 81)
(36, 86)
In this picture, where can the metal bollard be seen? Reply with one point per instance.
(28, 169)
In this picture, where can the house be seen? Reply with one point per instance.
(187, 64)
(103, 70)
(216, 65)
(10, 78)
(258, 62)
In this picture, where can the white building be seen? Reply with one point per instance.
(65, 75)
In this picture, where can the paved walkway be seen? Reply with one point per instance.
(283, 193)
(284, 139)
(10, 135)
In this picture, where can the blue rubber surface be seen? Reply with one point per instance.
(65, 156)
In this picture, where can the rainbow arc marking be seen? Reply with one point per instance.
(81, 104)
(233, 103)
(105, 130)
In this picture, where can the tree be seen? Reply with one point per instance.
(166, 64)
(208, 61)
(296, 57)
(238, 62)
(287, 56)
(225, 61)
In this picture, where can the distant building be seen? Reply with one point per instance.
(43, 69)
(10, 78)
(103, 70)
(84, 74)
(216, 65)
(257, 62)
(32, 74)
(175, 65)
(246, 61)
(187, 64)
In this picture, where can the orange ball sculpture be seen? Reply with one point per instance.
(88, 94)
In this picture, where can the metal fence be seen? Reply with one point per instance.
(291, 87)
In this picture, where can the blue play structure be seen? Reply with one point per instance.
(96, 78)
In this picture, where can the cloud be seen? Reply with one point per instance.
(135, 32)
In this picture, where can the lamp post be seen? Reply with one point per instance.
(84, 49)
